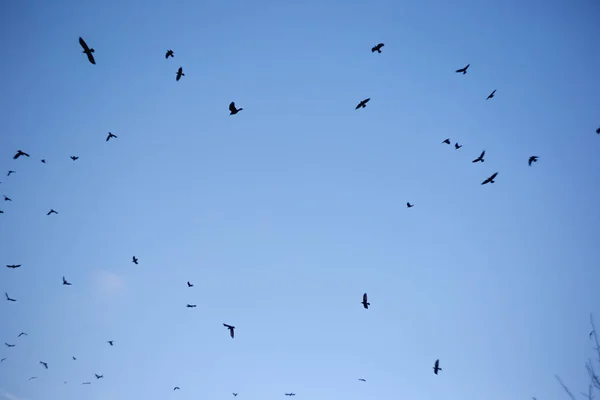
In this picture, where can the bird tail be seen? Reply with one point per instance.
(379, 50)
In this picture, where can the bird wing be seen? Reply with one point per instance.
(493, 176)
(364, 298)
(16, 156)
(482, 154)
(530, 160)
(90, 57)
(231, 332)
(232, 106)
(84, 44)
(365, 101)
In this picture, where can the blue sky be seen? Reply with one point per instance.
(284, 214)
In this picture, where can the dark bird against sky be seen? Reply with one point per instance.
(491, 95)
(74, 158)
(169, 53)
(447, 141)
(365, 302)
(65, 282)
(408, 205)
(134, 260)
(480, 158)
(110, 136)
(232, 109)
(19, 154)
(44, 364)
(13, 266)
(179, 74)
(231, 329)
(436, 367)
(8, 297)
(10, 172)
(88, 52)
(51, 212)
(457, 146)
(362, 104)
(533, 159)
(464, 69)
(377, 48)
(490, 179)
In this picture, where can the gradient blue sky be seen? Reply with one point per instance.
(283, 215)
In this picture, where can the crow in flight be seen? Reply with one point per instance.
(532, 159)
(65, 282)
(22, 334)
(169, 54)
(463, 70)
(9, 345)
(110, 135)
(190, 284)
(13, 266)
(10, 172)
(365, 303)
(457, 146)
(88, 52)
(490, 179)
(32, 378)
(408, 205)
(447, 141)
(74, 158)
(436, 367)
(191, 306)
(8, 298)
(290, 394)
(377, 48)
(19, 154)
(362, 380)
(7, 198)
(176, 388)
(362, 104)
(86, 383)
(491, 95)
(179, 74)
(111, 342)
(231, 328)
(44, 161)
(234, 394)
(135, 260)
(44, 364)
(51, 212)
(99, 376)
(480, 158)
(232, 109)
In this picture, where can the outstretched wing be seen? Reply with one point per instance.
(232, 106)
(91, 57)
(84, 45)
(364, 298)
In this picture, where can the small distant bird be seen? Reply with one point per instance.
(22, 334)
(88, 52)
(14, 266)
(111, 342)
(533, 159)
(19, 154)
(231, 328)
(8, 298)
(135, 260)
(377, 48)
(234, 394)
(44, 364)
(86, 383)
(74, 359)
(365, 303)
(362, 380)
(457, 146)
(447, 141)
(170, 53)
(190, 284)
(1, 212)
(2, 360)
(463, 70)
(290, 394)
(99, 376)
(598, 131)
(9, 345)
(44, 161)
(10, 172)
(362, 104)
(480, 158)
(74, 158)
(7, 198)
(191, 306)
(32, 378)
(65, 282)
(232, 109)
(51, 212)
(176, 388)
(110, 135)
(490, 179)
(179, 74)
(436, 367)
(408, 205)
(491, 95)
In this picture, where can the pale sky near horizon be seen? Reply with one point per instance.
(283, 215)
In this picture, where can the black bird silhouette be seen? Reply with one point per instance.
(408, 205)
(65, 282)
(10, 172)
(44, 161)
(2, 360)
(480, 158)
(598, 131)
(99, 376)
(13, 266)
(290, 394)
(88, 52)
(179, 74)
(135, 260)
(447, 141)
(110, 135)
(362, 380)
(74, 158)
(86, 383)
(231, 328)
(362, 104)
(19, 154)
(377, 48)
(51, 212)
(32, 378)
(463, 70)
(8, 298)
(191, 306)
(44, 364)
(232, 109)
(170, 53)
(190, 284)
(7, 198)
(9, 345)
(365, 303)
(22, 334)
(491, 95)
(234, 394)
(436, 367)
(457, 146)
(111, 342)
(1, 212)
(533, 159)
(490, 179)
(176, 388)
(74, 359)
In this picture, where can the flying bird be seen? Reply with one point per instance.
(457, 146)
(2, 360)
(408, 205)
(170, 53)
(532, 159)
(362, 380)
(110, 135)
(232, 109)
(490, 179)
(51, 212)
(447, 141)
(176, 388)
(19, 154)
(32, 378)
(44, 161)
(377, 48)
(74, 158)
(22, 334)
(9, 345)
(190, 284)
(65, 282)
(86, 383)
(290, 394)
(1, 212)
(8, 298)
(44, 364)
(491, 95)
(231, 328)
(362, 104)
(99, 376)
(135, 260)
(598, 131)
(10, 172)
(179, 74)
(436, 367)
(14, 266)
(234, 394)
(365, 303)
(74, 359)
(191, 306)
(463, 70)
(88, 52)
(111, 342)
(480, 158)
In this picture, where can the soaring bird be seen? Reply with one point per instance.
(234, 394)
(170, 53)
(377, 48)
(8, 298)
(74, 158)
(6, 198)
(13, 266)
(74, 359)
(179, 74)
(2, 360)
(436, 367)
(290, 394)
(10, 172)
(111, 342)
(480, 158)
(490, 179)
(9, 345)
(65, 282)
(191, 306)
(231, 328)
(135, 260)
(99, 376)
(86, 383)
(51, 212)
(32, 378)
(19, 154)
(463, 70)
(365, 303)
(491, 95)
(457, 146)
(447, 141)
(88, 52)
(190, 284)
(533, 159)
(232, 109)
(362, 104)
(43, 161)
(44, 364)
(22, 334)
(362, 380)
(408, 205)
(110, 135)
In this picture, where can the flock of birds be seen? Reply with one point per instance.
(89, 52)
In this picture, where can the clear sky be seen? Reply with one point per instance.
(283, 215)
